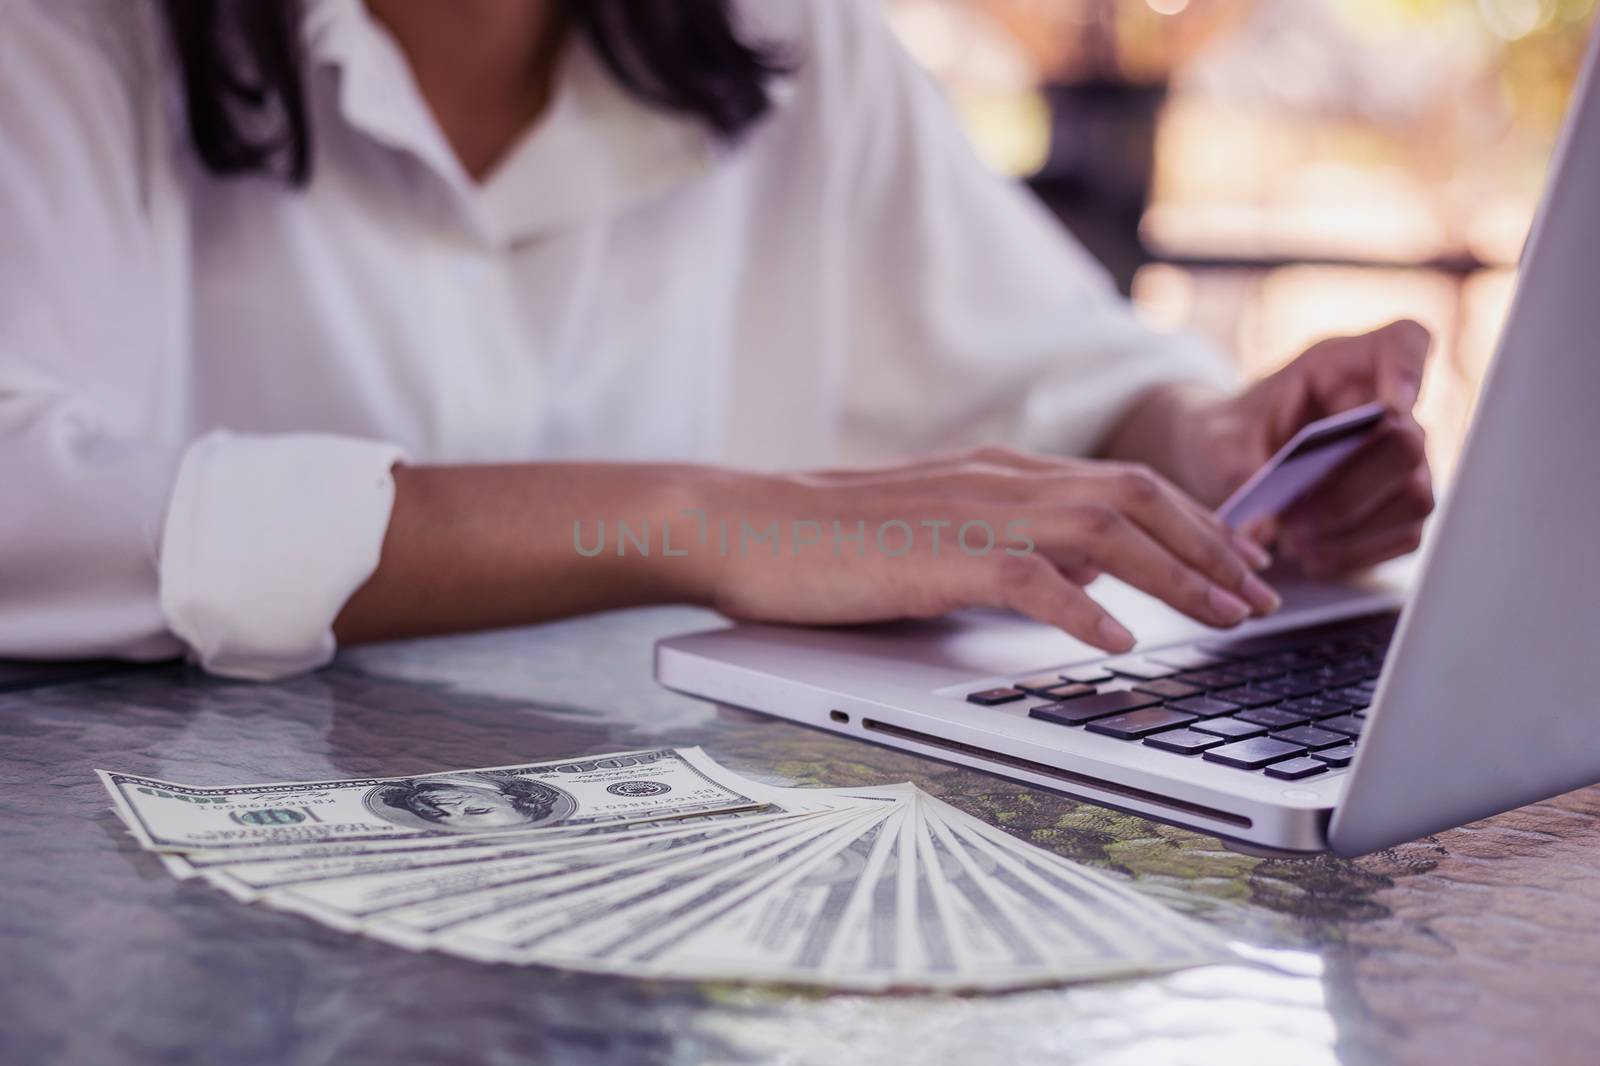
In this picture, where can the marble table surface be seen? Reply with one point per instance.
(1481, 945)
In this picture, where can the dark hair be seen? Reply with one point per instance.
(243, 76)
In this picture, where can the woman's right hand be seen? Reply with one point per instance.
(1056, 524)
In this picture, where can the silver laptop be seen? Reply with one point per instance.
(1358, 717)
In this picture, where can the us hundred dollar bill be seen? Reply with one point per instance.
(496, 801)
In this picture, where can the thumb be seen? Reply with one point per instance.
(1400, 351)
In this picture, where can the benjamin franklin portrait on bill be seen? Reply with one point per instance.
(477, 802)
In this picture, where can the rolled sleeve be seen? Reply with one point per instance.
(265, 539)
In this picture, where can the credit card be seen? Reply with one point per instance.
(1311, 455)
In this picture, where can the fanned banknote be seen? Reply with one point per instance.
(609, 789)
(663, 864)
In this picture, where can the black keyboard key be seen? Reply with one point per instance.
(989, 697)
(1231, 728)
(1139, 668)
(1168, 688)
(1088, 708)
(1285, 661)
(1312, 738)
(1203, 706)
(1253, 754)
(1288, 688)
(1295, 769)
(1336, 756)
(1184, 741)
(1246, 696)
(1138, 724)
(1208, 678)
(1280, 687)
(1271, 717)
(1316, 706)
(1256, 671)
(1303, 660)
(1184, 658)
(1087, 675)
(1033, 686)
(1347, 724)
(1065, 691)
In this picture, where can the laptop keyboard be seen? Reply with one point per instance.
(1290, 705)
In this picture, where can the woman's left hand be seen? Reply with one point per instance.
(1372, 508)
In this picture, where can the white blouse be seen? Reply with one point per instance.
(204, 383)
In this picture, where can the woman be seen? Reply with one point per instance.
(345, 320)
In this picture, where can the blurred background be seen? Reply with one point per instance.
(1268, 172)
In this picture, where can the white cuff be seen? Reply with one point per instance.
(265, 539)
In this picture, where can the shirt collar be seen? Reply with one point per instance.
(595, 151)
(376, 93)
